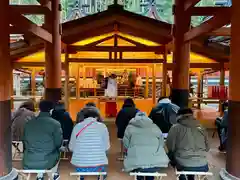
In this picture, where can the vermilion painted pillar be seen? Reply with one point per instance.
(53, 54)
(5, 96)
(180, 90)
(222, 84)
(233, 146)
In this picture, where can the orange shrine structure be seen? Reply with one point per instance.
(117, 39)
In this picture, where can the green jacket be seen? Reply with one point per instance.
(145, 145)
(187, 141)
(42, 140)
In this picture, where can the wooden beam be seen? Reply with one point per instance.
(91, 60)
(158, 49)
(207, 11)
(131, 41)
(93, 44)
(216, 22)
(26, 26)
(30, 9)
(190, 3)
(198, 65)
(224, 31)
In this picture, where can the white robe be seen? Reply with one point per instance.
(111, 90)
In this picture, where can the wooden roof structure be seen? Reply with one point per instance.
(115, 18)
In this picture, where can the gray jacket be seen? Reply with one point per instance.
(188, 142)
(19, 119)
(145, 145)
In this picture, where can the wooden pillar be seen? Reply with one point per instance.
(164, 74)
(233, 147)
(77, 82)
(199, 90)
(221, 84)
(53, 54)
(33, 83)
(66, 83)
(147, 83)
(180, 90)
(154, 84)
(5, 94)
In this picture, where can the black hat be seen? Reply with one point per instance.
(184, 111)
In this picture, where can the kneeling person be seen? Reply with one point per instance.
(89, 144)
(42, 140)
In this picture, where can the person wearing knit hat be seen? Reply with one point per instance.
(187, 143)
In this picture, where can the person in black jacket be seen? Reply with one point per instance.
(127, 112)
(60, 114)
(164, 115)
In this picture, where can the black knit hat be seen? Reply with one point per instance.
(184, 111)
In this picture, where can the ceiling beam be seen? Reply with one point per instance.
(198, 65)
(24, 25)
(207, 11)
(91, 60)
(93, 44)
(224, 31)
(190, 3)
(157, 49)
(219, 20)
(30, 9)
(131, 41)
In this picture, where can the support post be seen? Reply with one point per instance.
(77, 82)
(147, 83)
(180, 91)
(6, 171)
(199, 90)
(233, 146)
(33, 83)
(164, 74)
(154, 84)
(221, 84)
(53, 54)
(66, 83)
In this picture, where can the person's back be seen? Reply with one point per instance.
(42, 140)
(63, 117)
(127, 112)
(89, 143)
(20, 118)
(188, 142)
(145, 145)
(164, 114)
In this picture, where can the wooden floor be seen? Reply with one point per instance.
(216, 161)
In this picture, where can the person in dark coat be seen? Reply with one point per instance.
(164, 115)
(42, 140)
(62, 116)
(124, 116)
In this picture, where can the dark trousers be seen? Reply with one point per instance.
(221, 130)
(147, 170)
(196, 169)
